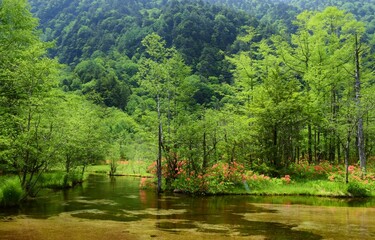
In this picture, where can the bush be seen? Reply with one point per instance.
(12, 192)
(306, 171)
(255, 181)
(357, 189)
(219, 178)
(264, 169)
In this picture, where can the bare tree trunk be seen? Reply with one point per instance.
(360, 136)
(347, 149)
(346, 146)
(204, 145)
(309, 150)
(160, 145)
(275, 153)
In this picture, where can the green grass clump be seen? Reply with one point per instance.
(60, 180)
(52, 180)
(357, 189)
(11, 192)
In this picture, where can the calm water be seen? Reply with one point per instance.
(119, 199)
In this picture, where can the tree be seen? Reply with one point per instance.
(160, 72)
(325, 54)
(27, 78)
(82, 137)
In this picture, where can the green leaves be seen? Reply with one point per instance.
(17, 26)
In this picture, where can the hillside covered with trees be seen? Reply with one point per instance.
(265, 85)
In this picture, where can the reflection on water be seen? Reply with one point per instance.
(120, 199)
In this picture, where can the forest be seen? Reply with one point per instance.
(216, 91)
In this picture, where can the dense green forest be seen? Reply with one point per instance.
(264, 84)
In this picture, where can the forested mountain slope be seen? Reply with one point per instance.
(101, 39)
(280, 13)
(83, 27)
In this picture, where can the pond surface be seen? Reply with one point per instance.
(115, 208)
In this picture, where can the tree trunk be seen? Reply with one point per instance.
(309, 150)
(347, 148)
(204, 144)
(315, 145)
(275, 154)
(360, 136)
(160, 145)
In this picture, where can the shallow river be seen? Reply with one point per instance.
(115, 208)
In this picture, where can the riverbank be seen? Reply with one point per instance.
(321, 180)
(313, 188)
(12, 193)
(318, 188)
(299, 179)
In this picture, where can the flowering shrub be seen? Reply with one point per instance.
(147, 183)
(355, 174)
(286, 179)
(219, 178)
(256, 181)
(224, 177)
(152, 168)
(304, 170)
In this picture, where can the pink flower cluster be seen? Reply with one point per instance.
(286, 179)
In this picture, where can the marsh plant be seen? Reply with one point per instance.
(60, 180)
(11, 192)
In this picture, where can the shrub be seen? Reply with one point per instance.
(12, 192)
(256, 182)
(263, 168)
(286, 179)
(147, 183)
(219, 178)
(305, 171)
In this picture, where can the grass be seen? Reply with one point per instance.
(60, 180)
(124, 168)
(322, 188)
